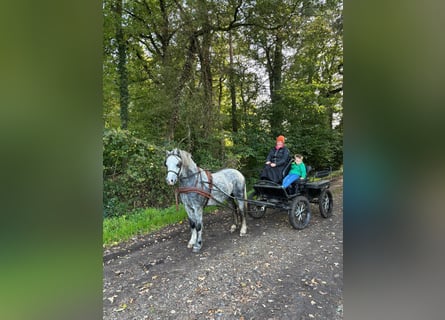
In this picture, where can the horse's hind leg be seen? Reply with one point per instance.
(240, 195)
(241, 206)
(236, 219)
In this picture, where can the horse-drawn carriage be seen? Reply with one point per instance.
(199, 188)
(295, 199)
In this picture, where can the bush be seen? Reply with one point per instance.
(133, 174)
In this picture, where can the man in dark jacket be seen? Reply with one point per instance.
(276, 161)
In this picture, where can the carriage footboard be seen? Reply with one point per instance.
(271, 190)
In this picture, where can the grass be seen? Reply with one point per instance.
(122, 228)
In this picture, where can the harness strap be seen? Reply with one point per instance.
(197, 190)
(209, 177)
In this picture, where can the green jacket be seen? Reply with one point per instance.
(299, 169)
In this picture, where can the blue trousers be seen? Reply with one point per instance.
(287, 181)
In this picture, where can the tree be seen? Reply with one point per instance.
(275, 30)
(222, 78)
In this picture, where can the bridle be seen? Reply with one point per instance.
(194, 189)
(179, 165)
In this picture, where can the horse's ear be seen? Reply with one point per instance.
(167, 153)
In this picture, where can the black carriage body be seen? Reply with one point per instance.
(268, 194)
(312, 190)
(272, 192)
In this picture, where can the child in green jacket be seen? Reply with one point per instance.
(297, 170)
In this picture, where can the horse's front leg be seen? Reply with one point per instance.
(198, 244)
(194, 233)
(196, 228)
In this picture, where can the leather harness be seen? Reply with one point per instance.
(197, 190)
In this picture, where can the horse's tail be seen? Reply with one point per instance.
(245, 196)
(245, 208)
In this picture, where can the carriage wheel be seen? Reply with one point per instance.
(325, 203)
(300, 213)
(254, 211)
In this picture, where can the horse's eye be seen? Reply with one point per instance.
(178, 165)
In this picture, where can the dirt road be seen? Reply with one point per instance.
(274, 272)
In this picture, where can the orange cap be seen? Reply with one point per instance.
(280, 138)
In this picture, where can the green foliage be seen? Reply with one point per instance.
(308, 128)
(185, 88)
(133, 174)
(251, 148)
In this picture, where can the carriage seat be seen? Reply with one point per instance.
(286, 169)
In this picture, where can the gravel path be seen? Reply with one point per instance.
(274, 272)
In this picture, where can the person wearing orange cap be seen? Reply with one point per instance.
(276, 161)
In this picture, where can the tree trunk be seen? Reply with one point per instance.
(274, 68)
(122, 66)
(232, 85)
(277, 67)
(185, 76)
(206, 79)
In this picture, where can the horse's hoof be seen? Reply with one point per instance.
(233, 228)
(189, 245)
(197, 247)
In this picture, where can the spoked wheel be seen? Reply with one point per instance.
(300, 213)
(253, 210)
(325, 203)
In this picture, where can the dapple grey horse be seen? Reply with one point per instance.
(199, 188)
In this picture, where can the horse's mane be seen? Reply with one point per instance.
(186, 157)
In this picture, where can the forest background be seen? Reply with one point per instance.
(220, 79)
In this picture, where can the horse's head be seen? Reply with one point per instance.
(173, 163)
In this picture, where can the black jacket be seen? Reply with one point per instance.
(280, 157)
